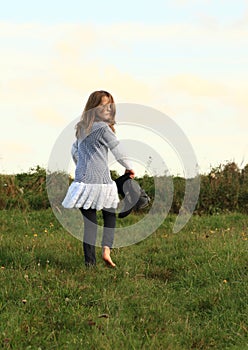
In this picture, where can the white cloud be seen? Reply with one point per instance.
(15, 147)
(49, 116)
(196, 86)
(48, 70)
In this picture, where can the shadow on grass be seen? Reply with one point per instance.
(68, 261)
(161, 274)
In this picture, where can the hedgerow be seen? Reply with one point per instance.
(223, 189)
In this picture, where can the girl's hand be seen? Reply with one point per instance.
(130, 172)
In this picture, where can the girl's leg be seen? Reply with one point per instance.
(90, 232)
(109, 220)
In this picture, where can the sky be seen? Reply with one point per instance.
(185, 58)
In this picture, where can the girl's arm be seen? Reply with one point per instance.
(114, 145)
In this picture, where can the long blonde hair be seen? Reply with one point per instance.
(89, 114)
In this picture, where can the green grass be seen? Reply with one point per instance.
(171, 291)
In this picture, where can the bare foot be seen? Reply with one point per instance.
(106, 256)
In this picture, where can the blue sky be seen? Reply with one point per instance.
(186, 58)
(114, 12)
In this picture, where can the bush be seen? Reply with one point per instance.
(25, 190)
(223, 189)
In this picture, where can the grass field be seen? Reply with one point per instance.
(171, 291)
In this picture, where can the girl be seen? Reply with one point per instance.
(93, 189)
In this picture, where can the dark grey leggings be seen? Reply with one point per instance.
(90, 232)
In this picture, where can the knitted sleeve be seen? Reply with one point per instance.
(113, 144)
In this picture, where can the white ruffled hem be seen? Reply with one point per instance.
(95, 196)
